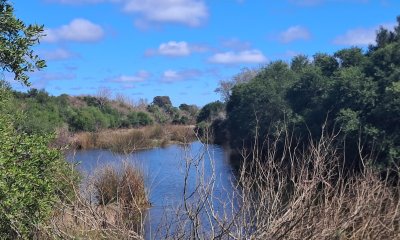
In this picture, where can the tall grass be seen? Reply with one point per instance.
(109, 204)
(129, 140)
(286, 192)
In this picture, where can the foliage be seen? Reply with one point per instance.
(16, 42)
(162, 101)
(225, 86)
(211, 111)
(30, 172)
(137, 119)
(354, 90)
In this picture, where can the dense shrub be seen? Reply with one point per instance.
(30, 172)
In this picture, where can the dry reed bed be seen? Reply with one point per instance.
(128, 140)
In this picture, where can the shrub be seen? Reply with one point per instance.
(28, 183)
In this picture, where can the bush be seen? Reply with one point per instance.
(28, 185)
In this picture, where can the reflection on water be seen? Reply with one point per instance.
(164, 170)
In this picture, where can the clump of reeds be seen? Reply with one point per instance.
(123, 186)
(109, 204)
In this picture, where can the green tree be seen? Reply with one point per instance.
(211, 111)
(259, 104)
(162, 101)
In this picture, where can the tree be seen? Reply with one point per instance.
(258, 103)
(162, 101)
(328, 64)
(299, 63)
(225, 86)
(211, 111)
(351, 57)
(16, 42)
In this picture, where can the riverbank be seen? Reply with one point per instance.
(133, 139)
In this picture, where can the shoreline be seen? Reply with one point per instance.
(131, 139)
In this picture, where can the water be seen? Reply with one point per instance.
(164, 170)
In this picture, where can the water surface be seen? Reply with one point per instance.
(164, 170)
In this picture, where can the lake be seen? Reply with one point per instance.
(165, 169)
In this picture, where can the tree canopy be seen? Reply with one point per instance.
(354, 91)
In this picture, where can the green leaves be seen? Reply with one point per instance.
(352, 90)
(16, 42)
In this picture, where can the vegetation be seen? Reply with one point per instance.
(16, 42)
(354, 90)
(126, 141)
(117, 212)
(92, 113)
(30, 170)
(320, 160)
(300, 194)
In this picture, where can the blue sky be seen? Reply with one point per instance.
(182, 48)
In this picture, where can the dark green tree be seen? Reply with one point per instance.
(162, 101)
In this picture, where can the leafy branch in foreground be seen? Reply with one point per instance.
(16, 42)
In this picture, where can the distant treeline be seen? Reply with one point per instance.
(45, 113)
(354, 92)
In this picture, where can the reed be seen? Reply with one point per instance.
(129, 140)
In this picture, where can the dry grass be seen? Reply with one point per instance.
(292, 194)
(109, 205)
(129, 140)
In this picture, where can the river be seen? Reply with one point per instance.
(164, 170)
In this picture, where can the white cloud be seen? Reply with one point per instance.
(360, 36)
(78, 30)
(140, 76)
(175, 49)
(188, 12)
(173, 76)
(248, 56)
(57, 54)
(294, 33)
(236, 44)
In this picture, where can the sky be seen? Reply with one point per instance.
(183, 48)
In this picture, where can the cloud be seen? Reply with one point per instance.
(174, 76)
(188, 12)
(78, 30)
(294, 33)
(41, 79)
(360, 36)
(175, 49)
(140, 76)
(248, 56)
(236, 44)
(57, 54)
